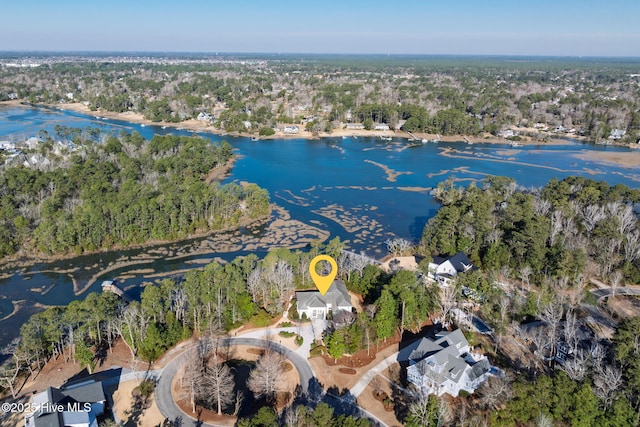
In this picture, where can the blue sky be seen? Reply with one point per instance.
(542, 27)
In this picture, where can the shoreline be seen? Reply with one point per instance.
(23, 261)
(194, 125)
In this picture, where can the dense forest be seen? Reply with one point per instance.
(538, 249)
(124, 191)
(561, 232)
(418, 94)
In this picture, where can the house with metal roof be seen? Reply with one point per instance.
(446, 365)
(314, 305)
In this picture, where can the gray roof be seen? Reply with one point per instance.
(445, 351)
(81, 393)
(86, 393)
(444, 339)
(461, 262)
(337, 296)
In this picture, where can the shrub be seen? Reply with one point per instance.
(266, 131)
(261, 319)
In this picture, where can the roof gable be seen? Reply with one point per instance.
(336, 296)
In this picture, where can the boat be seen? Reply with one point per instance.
(255, 138)
(143, 125)
(344, 137)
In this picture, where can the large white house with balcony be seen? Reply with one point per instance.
(446, 365)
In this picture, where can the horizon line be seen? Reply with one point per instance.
(229, 53)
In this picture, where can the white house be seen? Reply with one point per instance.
(506, 133)
(354, 126)
(314, 305)
(443, 270)
(203, 116)
(617, 134)
(75, 406)
(6, 145)
(291, 129)
(381, 126)
(446, 365)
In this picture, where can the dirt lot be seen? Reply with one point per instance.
(624, 306)
(123, 402)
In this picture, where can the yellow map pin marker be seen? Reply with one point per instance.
(323, 283)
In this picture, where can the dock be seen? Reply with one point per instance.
(110, 286)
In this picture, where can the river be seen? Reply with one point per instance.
(363, 190)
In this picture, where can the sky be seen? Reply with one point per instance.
(462, 27)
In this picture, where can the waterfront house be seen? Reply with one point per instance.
(354, 126)
(506, 133)
(78, 406)
(205, 117)
(7, 146)
(446, 365)
(617, 134)
(381, 126)
(291, 129)
(444, 270)
(314, 305)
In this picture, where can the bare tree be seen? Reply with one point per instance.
(447, 301)
(237, 403)
(131, 327)
(541, 206)
(551, 315)
(606, 382)
(397, 246)
(598, 354)
(575, 367)
(525, 272)
(266, 378)
(9, 371)
(192, 377)
(255, 283)
(541, 340)
(631, 246)
(544, 420)
(280, 277)
(219, 383)
(556, 226)
(625, 215)
(591, 216)
(616, 279)
(570, 332)
(495, 391)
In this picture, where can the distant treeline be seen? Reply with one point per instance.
(122, 192)
(445, 95)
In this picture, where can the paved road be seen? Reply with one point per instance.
(398, 356)
(607, 292)
(170, 410)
